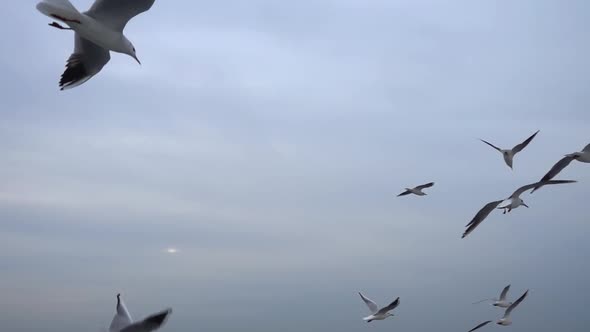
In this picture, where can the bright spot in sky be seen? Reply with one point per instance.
(171, 250)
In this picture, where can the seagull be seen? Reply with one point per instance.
(516, 201)
(501, 302)
(583, 156)
(97, 32)
(509, 154)
(122, 322)
(376, 313)
(417, 190)
(505, 320)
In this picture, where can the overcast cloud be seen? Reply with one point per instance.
(266, 141)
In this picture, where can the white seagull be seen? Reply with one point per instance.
(509, 154)
(501, 302)
(583, 156)
(417, 190)
(122, 322)
(506, 320)
(376, 313)
(97, 31)
(516, 201)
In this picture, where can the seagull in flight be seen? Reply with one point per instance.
(516, 201)
(122, 322)
(510, 153)
(97, 32)
(417, 190)
(583, 156)
(505, 320)
(501, 302)
(376, 313)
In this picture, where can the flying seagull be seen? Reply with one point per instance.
(97, 32)
(376, 313)
(509, 154)
(501, 302)
(583, 156)
(505, 320)
(417, 190)
(122, 322)
(516, 201)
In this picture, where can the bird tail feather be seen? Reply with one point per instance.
(62, 10)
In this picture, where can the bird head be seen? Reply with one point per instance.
(129, 49)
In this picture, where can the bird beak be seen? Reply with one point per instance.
(525, 205)
(136, 59)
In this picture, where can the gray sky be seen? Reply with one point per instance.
(266, 140)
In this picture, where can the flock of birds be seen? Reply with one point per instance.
(514, 202)
(99, 31)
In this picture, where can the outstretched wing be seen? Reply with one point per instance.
(539, 184)
(515, 304)
(427, 185)
(151, 323)
(390, 307)
(407, 192)
(558, 167)
(122, 317)
(492, 145)
(480, 216)
(372, 305)
(587, 148)
(86, 61)
(480, 325)
(116, 13)
(484, 300)
(504, 293)
(523, 145)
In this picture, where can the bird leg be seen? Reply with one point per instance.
(506, 208)
(58, 26)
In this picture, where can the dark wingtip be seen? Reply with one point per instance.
(160, 318)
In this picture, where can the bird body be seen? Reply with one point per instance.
(501, 302)
(418, 190)
(508, 157)
(371, 318)
(85, 25)
(583, 156)
(376, 313)
(509, 154)
(97, 32)
(415, 191)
